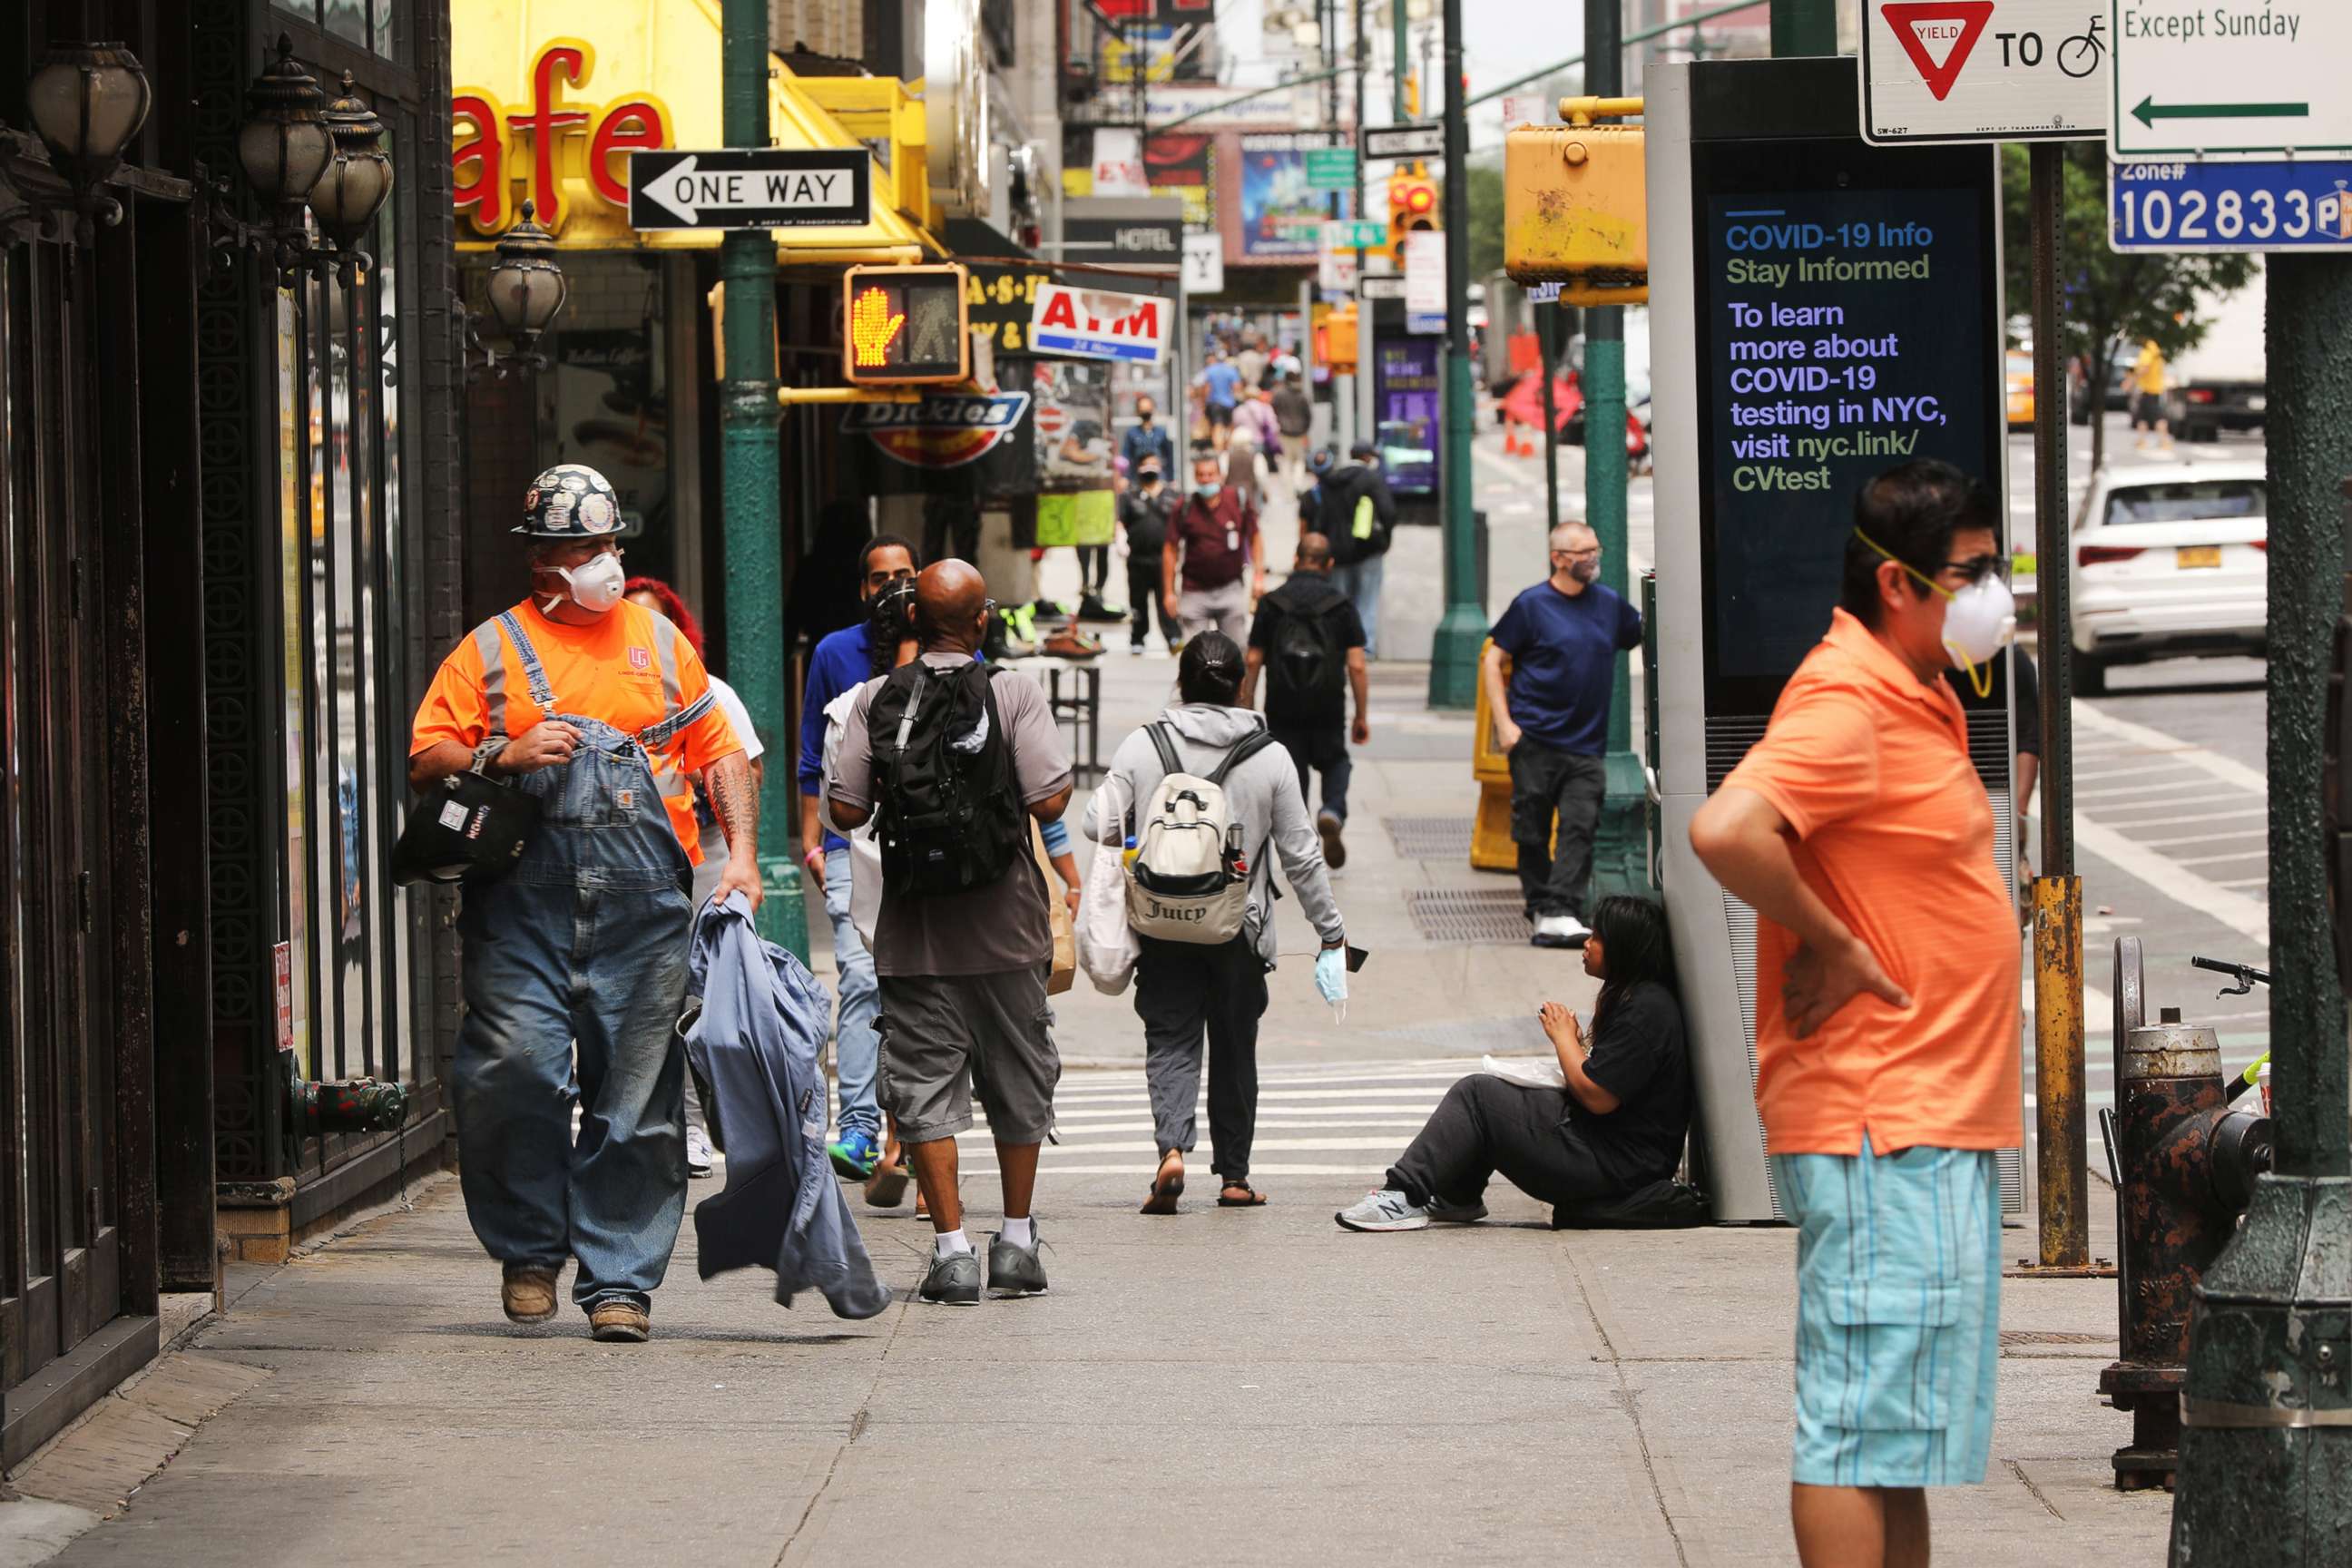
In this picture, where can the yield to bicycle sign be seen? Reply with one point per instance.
(1984, 70)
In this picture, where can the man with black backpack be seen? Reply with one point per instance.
(1309, 641)
(1358, 513)
(950, 758)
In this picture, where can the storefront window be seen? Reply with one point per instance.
(297, 412)
(346, 19)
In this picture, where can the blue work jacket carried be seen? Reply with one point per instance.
(756, 1020)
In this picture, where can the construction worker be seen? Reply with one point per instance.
(600, 710)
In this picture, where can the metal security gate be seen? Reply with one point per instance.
(60, 1253)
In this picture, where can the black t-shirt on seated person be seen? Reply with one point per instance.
(1638, 1055)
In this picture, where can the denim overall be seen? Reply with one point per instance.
(580, 947)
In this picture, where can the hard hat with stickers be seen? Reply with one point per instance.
(569, 500)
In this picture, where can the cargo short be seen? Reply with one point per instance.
(945, 1035)
(1898, 1314)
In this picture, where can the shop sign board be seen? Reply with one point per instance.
(2230, 206)
(1204, 264)
(1096, 323)
(946, 430)
(2201, 81)
(1983, 70)
(759, 187)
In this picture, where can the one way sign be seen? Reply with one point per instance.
(758, 188)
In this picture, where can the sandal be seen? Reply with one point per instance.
(1165, 1189)
(1251, 1199)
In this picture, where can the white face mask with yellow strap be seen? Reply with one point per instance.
(1978, 620)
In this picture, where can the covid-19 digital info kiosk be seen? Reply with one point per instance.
(1844, 315)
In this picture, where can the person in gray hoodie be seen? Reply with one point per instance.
(1184, 990)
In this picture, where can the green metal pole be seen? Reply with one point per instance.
(1453, 654)
(1396, 65)
(748, 417)
(2266, 1442)
(1804, 27)
(1621, 840)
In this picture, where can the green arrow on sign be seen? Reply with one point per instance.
(2150, 111)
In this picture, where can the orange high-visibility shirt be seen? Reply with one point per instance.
(631, 668)
(1870, 766)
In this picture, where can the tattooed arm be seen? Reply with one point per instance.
(735, 800)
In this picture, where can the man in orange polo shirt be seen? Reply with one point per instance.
(600, 710)
(1886, 1016)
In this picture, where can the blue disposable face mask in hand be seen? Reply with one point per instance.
(1332, 979)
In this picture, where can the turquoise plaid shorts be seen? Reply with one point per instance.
(1898, 1314)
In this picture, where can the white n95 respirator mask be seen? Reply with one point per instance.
(595, 588)
(1978, 620)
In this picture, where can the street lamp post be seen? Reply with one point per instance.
(1453, 652)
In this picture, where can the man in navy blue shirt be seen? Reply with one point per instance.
(843, 661)
(1561, 639)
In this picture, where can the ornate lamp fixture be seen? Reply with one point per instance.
(87, 101)
(526, 287)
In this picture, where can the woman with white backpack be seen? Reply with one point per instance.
(1214, 800)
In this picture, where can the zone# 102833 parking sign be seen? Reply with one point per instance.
(1984, 70)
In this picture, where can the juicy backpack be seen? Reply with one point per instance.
(1187, 881)
(1308, 673)
(946, 816)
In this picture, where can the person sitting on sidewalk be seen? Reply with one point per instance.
(951, 759)
(1311, 642)
(1615, 1126)
(575, 958)
(1212, 567)
(1184, 988)
(1886, 1015)
(1563, 639)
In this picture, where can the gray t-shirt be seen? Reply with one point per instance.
(986, 930)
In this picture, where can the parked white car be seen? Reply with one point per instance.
(2170, 559)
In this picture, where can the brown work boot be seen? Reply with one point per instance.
(529, 1294)
(620, 1320)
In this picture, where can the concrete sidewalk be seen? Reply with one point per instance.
(1253, 1385)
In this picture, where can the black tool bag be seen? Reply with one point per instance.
(467, 825)
(947, 816)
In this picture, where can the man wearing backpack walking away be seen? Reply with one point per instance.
(1230, 803)
(1563, 639)
(1358, 514)
(950, 759)
(1309, 642)
(601, 711)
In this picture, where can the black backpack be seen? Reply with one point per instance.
(946, 819)
(1306, 667)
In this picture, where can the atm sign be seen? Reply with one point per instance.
(1094, 323)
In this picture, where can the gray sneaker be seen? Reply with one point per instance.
(1387, 1209)
(1015, 1269)
(954, 1280)
(1445, 1213)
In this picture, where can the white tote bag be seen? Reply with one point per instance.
(1108, 947)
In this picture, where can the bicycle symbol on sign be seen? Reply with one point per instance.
(2080, 55)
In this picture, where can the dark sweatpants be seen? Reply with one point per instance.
(1180, 989)
(1319, 750)
(1144, 601)
(1486, 1125)
(1554, 876)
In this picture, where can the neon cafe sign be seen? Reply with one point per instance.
(498, 144)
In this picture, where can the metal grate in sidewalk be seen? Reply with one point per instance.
(1469, 914)
(1430, 837)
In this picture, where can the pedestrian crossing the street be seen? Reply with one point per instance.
(1338, 1118)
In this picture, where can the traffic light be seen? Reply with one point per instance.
(903, 325)
(1576, 205)
(1412, 209)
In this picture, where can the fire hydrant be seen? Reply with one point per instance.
(2187, 1162)
(316, 1108)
